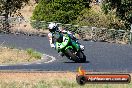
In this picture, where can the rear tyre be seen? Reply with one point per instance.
(79, 58)
(71, 54)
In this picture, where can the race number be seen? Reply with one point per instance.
(65, 40)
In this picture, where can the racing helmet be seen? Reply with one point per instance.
(53, 27)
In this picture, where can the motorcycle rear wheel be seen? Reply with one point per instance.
(75, 57)
(81, 56)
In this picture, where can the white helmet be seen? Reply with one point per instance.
(52, 27)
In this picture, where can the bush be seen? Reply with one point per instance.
(92, 18)
(88, 17)
(64, 11)
(122, 9)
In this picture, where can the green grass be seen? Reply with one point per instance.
(59, 84)
(34, 53)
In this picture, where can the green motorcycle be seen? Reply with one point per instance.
(69, 48)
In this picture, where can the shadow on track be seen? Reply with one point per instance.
(76, 62)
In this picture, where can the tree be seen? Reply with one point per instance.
(64, 11)
(9, 7)
(123, 9)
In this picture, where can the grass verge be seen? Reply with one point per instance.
(9, 55)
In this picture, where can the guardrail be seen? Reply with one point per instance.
(85, 32)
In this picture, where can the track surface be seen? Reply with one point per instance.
(101, 57)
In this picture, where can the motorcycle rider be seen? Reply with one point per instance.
(54, 28)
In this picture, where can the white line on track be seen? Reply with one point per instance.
(52, 58)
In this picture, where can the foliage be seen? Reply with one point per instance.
(64, 11)
(122, 8)
(11, 5)
(90, 17)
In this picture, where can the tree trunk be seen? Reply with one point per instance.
(6, 23)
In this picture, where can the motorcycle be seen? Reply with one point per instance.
(69, 47)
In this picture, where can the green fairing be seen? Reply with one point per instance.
(75, 45)
(68, 47)
(60, 46)
(66, 40)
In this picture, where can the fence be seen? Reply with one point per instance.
(85, 32)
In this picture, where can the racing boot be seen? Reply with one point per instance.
(74, 39)
(82, 47)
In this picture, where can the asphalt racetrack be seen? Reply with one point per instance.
(101, 56)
